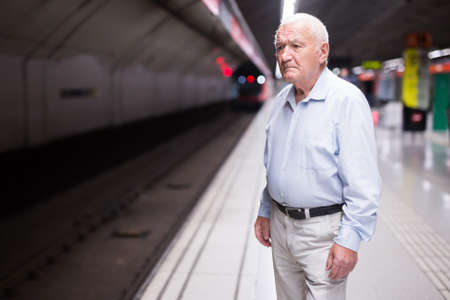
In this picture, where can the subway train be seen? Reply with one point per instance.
(251, 86)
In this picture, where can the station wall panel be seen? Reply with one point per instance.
(11, 103)
(137, 94)
(45, 100)
(70, 68)
(37, 106)
(77, 92)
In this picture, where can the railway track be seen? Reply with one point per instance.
(100, 239)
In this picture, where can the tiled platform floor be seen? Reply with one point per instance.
(216, 256)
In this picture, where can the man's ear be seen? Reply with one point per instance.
(324, 50)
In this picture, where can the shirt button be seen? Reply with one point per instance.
(282, 194)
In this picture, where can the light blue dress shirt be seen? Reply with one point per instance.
(321, 152)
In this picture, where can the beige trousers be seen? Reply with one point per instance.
(300, 250)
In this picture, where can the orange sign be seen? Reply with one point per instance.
(440, 68)
(418, 39)
(366, 76)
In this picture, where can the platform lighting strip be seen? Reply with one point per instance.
(357, 70)
(393, 63)
(278, 72)
(288, 8)
(398, 63)
(232, 23)
(438, 53)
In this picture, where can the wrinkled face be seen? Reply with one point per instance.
(299, 54)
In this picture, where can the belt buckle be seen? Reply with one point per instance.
(304, 212)
(307, 215)
(286, 211)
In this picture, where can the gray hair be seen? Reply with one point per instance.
(316, 28)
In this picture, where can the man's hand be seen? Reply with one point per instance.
(341, 261)
(262, 230)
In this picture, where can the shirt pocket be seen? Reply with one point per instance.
(316, 152)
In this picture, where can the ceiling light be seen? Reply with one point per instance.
(277, 72)
(438, 53)
(357, 70)
(288, 8)
(393, 63)
(261, 79)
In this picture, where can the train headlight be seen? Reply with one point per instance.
(261, 79)
(241, 79)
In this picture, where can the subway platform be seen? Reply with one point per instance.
(216, 256)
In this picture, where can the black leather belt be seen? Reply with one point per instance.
(306, 213)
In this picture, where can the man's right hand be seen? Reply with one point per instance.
(262, 230)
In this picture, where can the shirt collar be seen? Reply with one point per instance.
(320, 89)
(317, 93)
(291, 97)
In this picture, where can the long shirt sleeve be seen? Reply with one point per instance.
(358, 171)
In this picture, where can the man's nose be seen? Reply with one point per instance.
(286, 55)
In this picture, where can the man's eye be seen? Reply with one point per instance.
(279, 47)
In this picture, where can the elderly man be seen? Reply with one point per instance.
(323, 185)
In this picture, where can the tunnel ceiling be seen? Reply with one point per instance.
(359, 30)
(263, 18)
(177, 35)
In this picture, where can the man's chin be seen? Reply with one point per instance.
(288, 77)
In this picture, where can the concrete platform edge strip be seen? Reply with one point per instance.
(207, 209)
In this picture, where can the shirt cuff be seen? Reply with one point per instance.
(264, 211)
(348, 238)
(265, 203)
